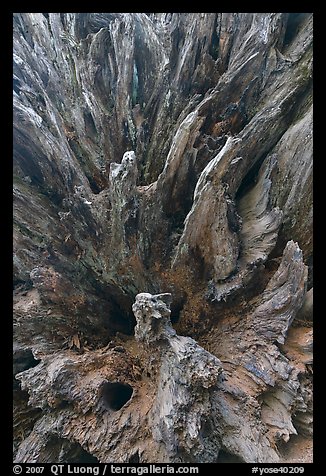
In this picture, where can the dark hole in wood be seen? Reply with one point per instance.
(215, 41)
(176, 308)
(61, 450)
(250, 179)
(90, 126)
(24, 360)
(16, 85)
(115, 394)
(134, 458)
(292, 26)
(225, 457)
(206, 429)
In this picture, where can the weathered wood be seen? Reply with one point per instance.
(162, 153)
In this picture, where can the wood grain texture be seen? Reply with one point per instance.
(162, 174)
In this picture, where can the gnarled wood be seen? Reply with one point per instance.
(162, 172)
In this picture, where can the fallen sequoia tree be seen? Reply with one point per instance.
(162, 236)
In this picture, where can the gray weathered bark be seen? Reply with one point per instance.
(162, 153)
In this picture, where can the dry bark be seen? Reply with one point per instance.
(162, 153)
